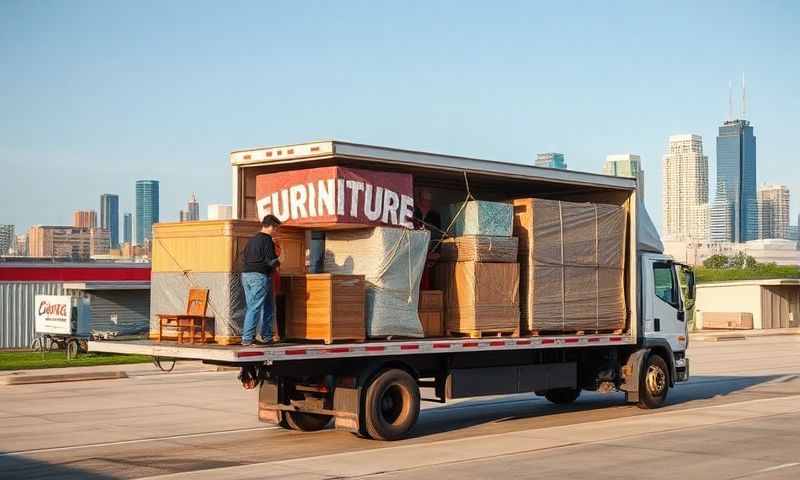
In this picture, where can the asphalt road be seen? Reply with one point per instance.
(739, 417)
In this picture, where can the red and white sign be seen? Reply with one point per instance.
(53, 314)
(329, 195)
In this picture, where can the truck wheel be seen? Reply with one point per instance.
(562, 396)
(306, 422)
(654, 384)
(392, 405)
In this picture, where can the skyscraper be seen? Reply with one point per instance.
(7, 239)
(109, 217)
(127, 228)
(626, 165)
(84, 219)
(685, 195)
(193, 209)
(773, 207)
(219, 211)
(146, 209)
(736, 169)
(551, 160)
(721, 228)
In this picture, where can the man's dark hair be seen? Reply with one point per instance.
(270, 221)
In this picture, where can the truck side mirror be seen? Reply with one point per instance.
(690, 293)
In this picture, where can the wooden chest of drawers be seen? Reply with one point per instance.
(325, 306)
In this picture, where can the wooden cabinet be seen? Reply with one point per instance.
(431, 312)
(325, 306)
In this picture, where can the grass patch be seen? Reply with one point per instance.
(33, 360)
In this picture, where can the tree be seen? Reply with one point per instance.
(716, 261)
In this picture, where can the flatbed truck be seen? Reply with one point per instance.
(372, 388)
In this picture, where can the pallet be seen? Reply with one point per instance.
(539, 333)
(324, 341)
(223, 340)
(484, 333)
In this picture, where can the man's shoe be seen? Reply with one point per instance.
(263, 342)
(248, 343)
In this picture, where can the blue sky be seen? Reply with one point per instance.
(95, 95)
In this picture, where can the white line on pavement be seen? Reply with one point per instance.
(139, 440)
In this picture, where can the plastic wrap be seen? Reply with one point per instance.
(392, 261)
(572, 265)
(169, 292)
(479, 296)
(479, 248)
(479, 217)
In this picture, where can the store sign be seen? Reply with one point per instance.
(53, 314)
(334, 195)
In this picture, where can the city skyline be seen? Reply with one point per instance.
(444, 93)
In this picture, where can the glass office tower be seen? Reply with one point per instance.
(146, 209)
(736, 170)
(109, 217)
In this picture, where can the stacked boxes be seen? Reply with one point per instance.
(207, 255)
(572, 265)
(391, 260)
(479, 275)
(431, 312)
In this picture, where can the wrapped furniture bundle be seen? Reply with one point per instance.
(206, 255)
(479, 297)
(479, 248)
(572, 265)
(479, 217)
(391, 260)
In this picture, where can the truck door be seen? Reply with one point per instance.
(664, 309)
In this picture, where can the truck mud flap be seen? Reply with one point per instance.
(345, 411)
(631, 372)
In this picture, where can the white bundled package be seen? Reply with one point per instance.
(391, 260)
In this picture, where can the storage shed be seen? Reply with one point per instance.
(773, 303)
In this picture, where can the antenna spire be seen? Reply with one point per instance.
(730, 100)
(744, 99)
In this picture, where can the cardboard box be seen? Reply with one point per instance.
(326, 307)
(216, 246)
(479, 248)
(479, 297)
(431, 312)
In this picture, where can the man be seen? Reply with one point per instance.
(260, 261)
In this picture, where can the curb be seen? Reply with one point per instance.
(26, 379)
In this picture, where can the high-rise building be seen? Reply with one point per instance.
(146, 209)
(7, 239)
(193, 209)
(59, 241)
(773, 207)
(183, 215)
(84, 219)
(109, 217)
(685, 195)
(99, 241)
(721, 223)
(218, 211)
(626, 165)
(22, 245)
(127, 228)
(736, 169)
(551, 160)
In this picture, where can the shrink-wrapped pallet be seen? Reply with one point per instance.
(479, 217)
(479, 297)
(572, 265)
(479, 248)
(391, 260)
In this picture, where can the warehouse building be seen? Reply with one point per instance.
(756, 304)
(118, 294)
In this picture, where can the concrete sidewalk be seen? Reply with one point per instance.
(717, 335)
(96, 372)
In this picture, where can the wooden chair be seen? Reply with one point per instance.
(194, 325)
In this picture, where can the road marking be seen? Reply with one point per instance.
(776, 467)
(138, 440)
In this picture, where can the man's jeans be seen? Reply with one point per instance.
(258, 294)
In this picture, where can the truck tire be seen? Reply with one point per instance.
(391, 406)
(654, 382)
(306, 422)
(562, 396)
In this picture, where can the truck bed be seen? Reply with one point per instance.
(286, 352)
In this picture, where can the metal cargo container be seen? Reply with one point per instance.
(17, 310)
